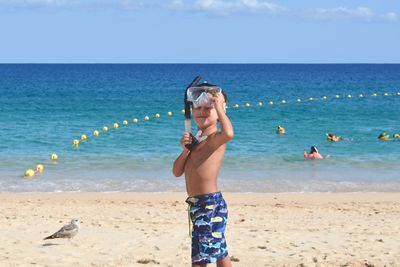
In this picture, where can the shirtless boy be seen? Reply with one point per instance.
(201, 164)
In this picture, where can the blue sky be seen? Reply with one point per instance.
(199, 31)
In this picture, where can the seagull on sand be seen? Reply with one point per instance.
(67, 231)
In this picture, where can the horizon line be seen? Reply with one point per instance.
(201, 63)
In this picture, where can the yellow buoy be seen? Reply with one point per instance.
(361, 95)
(386, 94)
(374, 94)
(146, 118)
(54, 156)
(324, 98)
(125, 122)
(349, 96)
(247, 104)
(298, 100)
(283, 101)
(76, 142)
(96, 133)
(135, 120)
(83, 138)
(236, 106)
(169, 113)
(105, 129)
(183, 110)
(39, 168)
(260, 104)
(115, 125)
(398, 93)
(270, 103)
(29, 173)
(157, 116)
(337, 96)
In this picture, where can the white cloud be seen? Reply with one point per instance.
(223, 7)
(229, 7)
(343, 13)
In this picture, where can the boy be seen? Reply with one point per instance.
(201, 164)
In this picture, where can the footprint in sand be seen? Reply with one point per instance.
(234, 259)
(147, 261)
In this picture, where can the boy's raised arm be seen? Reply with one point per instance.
(227, 132)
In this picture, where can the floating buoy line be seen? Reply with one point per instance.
(29, 173)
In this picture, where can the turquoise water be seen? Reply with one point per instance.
(44, 107)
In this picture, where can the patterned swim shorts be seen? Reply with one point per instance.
(209, 214)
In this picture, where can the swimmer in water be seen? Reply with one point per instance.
(313, 154)
(333, 138)
(384, 136)
(280, 130)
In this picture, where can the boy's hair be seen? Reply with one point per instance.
(225, 96)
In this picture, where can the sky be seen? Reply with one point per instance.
(199, 31)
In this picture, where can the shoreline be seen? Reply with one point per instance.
(150, 229)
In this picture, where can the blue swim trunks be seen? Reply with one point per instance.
(209, 215)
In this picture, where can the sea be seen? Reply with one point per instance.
(44, 107)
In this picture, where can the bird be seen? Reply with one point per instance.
(67, 231)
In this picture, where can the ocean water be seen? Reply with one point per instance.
(44, 107)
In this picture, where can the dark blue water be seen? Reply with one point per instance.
(44, 107)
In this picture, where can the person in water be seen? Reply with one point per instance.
(314, 154)
(333, 138)
(396, 136)
(201, 163)
(280, 130)
(384, 136)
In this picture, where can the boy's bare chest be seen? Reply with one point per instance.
(203, 153)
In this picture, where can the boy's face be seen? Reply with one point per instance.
(204, 116)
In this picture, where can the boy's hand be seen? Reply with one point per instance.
(186, 139)
(218, 101)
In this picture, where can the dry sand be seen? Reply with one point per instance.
(150, 229)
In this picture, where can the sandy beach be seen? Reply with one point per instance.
(150, 229)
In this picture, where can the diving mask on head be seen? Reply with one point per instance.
(198, 94)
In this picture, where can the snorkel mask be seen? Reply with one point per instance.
(198, 94)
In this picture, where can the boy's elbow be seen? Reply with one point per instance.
(229, 135)
(176, 173)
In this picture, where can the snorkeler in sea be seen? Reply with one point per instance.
(331, 137)
(384, 136)
(280, 130)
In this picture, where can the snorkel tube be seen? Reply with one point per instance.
(188, 121)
